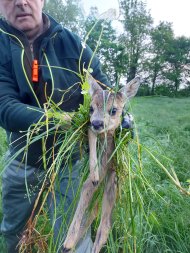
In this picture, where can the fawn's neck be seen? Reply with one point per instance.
(108, 145)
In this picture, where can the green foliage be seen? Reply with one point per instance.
(161, 37)
(102, 39)
(152, 215)
(68, 12)
(137, 24)
(139, 49)
(185, 92)
(3, 147)
(177, 55)
(144, 90)
(164, 90)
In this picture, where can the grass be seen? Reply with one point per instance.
(3, 148)
(152, 215)
(163, 127)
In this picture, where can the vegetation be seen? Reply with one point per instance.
(152, 214)
(163, 127)
(68, 13)
(3, 148)
(139, 48)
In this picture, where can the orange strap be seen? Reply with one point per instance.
(35, 71)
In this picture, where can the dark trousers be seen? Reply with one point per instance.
(20, 188)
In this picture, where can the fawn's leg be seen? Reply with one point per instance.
(107, 207)
(94, 170)
(78, 222)
(86, 222)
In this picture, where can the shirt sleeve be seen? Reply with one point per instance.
(15, 115)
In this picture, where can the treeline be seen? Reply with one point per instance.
(137, 48)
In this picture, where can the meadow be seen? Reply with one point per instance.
(163, 126)
(152, 214)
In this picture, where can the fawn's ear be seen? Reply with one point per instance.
(130, 89)
(94, 86)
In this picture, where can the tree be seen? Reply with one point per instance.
(177, 55)
(55, 9)
(137, 24)
(161, 37)
(102, 40)
(68, 12)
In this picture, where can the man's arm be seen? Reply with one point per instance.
(15, 116)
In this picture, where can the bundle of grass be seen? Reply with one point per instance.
(132, 217)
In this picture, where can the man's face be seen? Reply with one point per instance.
(25, 15)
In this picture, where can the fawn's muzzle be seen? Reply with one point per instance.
(97, 124)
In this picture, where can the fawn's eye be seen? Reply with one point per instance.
(113, 111)
(91, 109)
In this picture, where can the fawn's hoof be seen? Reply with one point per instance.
(65, 250)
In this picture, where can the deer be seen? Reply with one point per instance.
(105, 117)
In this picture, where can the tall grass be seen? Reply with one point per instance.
(3, 148)
(163, 128)
(151, 214)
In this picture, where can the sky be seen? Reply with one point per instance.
(174, 11)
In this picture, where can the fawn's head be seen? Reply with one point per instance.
(106, 106)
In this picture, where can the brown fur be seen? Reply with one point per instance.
(103, 123)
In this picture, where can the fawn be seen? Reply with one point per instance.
(105, 116)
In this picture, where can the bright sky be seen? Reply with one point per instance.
(175, 11)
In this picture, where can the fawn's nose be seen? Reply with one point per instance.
(97, 124)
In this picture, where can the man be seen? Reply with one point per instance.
(31, 42)
(26, 34)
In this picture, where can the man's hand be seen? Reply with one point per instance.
(62, 119)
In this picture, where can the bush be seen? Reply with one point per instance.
(144, 90)
(184, 92)
(165, 90)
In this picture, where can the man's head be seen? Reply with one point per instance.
(25, 15)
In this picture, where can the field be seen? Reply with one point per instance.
(164, 127)
(158, 219)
